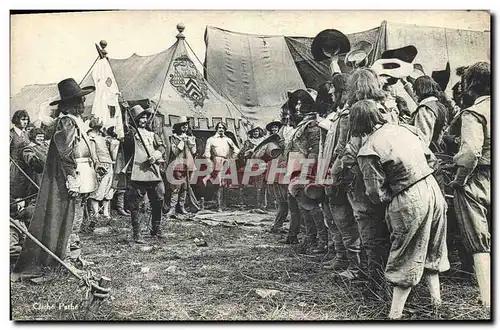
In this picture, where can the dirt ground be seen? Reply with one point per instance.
(174, 279)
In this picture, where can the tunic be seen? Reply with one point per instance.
(473, 200)
(102, 149)
(19, 184)
(431, 117)
(396, 172)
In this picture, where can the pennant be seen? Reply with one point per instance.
(106, 106)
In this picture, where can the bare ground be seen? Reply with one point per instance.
(177, 280)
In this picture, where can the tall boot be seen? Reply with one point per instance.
(258, 198)
(93, 216)
(120, 203)
(182, 200)
(482, 270)
(105, 212)
(173, 203)
(136, 227)
(156, 219)
(219, 199)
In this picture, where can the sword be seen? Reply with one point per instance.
(142, 140)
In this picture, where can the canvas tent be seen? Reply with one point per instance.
(232, 57)
(169, 81)
(252, 70)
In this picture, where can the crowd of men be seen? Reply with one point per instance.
(389, 172)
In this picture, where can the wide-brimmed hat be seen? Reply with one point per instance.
(274, 123)
(314, 191)
(406, 54)
(306, 99)
(137, 111)
(442, 77)
(256, 128)
(69, 89)
(182, 120)
(392, 67)
(328, 43)
(359, 53)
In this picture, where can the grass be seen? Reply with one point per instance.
(218, 282)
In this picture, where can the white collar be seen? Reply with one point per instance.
(428, 99)
(18, 130)
(478, 100)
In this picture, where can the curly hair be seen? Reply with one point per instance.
(340, 81)
(35, 132)
(18, 115)
(425, 87)
(364, 116)
(363, 84)
(477, 80)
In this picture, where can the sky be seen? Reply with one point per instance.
(47, 48)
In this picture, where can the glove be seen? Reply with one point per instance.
(100, 170)
(73, 185)
(151, 160)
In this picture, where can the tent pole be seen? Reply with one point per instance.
(165, 79)
(98, 57)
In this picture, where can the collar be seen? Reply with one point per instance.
(428, 99)
(18, 131)
(478, 100)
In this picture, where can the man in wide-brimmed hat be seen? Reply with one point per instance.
(304, 145)
(143, 152)
(183, 151)
(69, 176)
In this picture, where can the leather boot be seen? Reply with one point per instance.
(120, 204)
(136, 228)
(290, 240)
(156, 219)
(182, 202)
(173, 204)
(353, 271)
(219, 199)
(339, 262)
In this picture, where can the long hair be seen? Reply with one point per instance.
(18, 115)
(425, 87)
(363, 84)
(324, 102)
(339, 82)
(476, 81)
(177, 130)
(363, 117)
(223, 125)
(71, 105)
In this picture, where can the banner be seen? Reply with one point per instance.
(106, 105)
